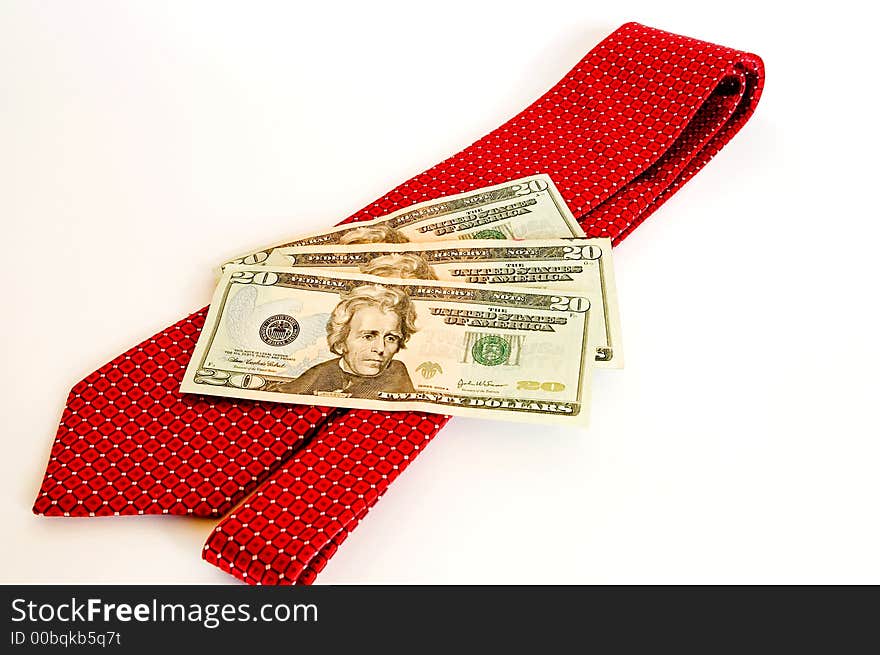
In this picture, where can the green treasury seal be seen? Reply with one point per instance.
(491, 350)
(489, 234)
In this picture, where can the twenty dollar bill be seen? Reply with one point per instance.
(316, 337)
(582, 265)
(528, 208)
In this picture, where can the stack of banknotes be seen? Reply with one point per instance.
(491, 303)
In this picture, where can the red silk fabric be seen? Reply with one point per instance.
(633, 121)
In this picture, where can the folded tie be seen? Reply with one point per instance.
(633, 121)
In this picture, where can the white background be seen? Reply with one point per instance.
(142, 142)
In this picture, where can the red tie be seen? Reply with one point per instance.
(631, 123)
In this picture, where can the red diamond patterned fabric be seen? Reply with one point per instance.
(633, 121)
(288, 529)
(130, 443)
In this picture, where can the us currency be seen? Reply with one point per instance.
(318, 337)
(528, 208)
(582, 265)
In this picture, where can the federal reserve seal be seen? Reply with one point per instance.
(491, 351)
(279, 330)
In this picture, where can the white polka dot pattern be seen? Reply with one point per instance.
(286, 531)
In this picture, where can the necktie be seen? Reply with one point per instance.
(636, 118)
